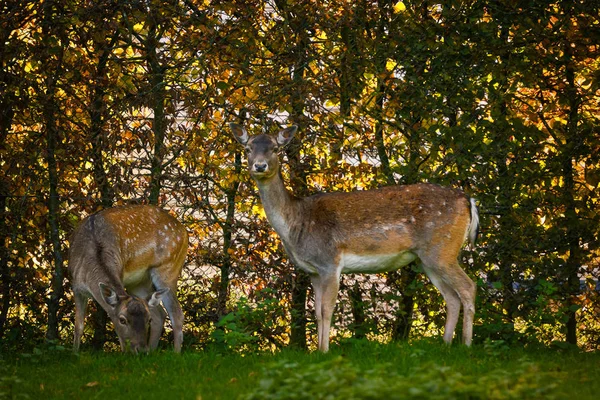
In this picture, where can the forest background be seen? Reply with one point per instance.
(115, 102)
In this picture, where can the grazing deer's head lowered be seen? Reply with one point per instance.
(129, 260)
(367, 231)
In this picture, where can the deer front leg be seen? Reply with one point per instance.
(176, 315)
(81, 302)
(326, 291)
(156, 326)
(169, 300)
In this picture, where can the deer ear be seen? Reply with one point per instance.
(285, 136)
(156, 297)
(108, 294)
(239, 133)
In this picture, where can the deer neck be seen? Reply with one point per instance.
(279, 204)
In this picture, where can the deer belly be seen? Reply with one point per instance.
(373, 263)
(134, 278)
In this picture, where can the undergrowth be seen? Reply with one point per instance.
(424, 369)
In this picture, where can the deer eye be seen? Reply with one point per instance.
(122, 320)
(248, 149)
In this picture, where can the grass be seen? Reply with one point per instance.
(355, 370)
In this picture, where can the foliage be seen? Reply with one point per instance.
(361, 370)
(339, 379)
(113, 102)
(252, 327)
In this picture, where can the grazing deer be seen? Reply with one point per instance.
(140, 248)
(367, 231)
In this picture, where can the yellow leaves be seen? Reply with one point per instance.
(321, 35)
(332, 103)
(399, 7)
(259, 210)
(390, 64)
(138, 28)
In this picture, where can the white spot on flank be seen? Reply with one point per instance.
(412, 219)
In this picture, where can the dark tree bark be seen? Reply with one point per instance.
(298, 171)
(227, 229)
(158, 97)
(51, 28)
(5, 279)
(570, 153)
(98, 116)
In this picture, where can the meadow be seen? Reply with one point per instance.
(423, 369)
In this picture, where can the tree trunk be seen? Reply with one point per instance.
(98, 116)
(227, 228)
(50, 112)
(300, 285)
(158, 96)
(5, 280)
(297, 171)
(571, 153)
(53, 211)
(357, 304)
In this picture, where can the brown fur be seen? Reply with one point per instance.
(138, 248)
(367, 231)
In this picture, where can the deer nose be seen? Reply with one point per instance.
(260, 166)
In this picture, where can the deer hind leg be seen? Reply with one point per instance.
(326, 291)
(456, 288)
(81, 302)
(466, 289)
(452, 302)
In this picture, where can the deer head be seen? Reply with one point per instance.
(262, 150)
(131, 317)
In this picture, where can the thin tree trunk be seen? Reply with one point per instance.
(53, 211)
(50, 112)
(298, 173)
(97, 119)
(158, 96)
(381, 60)
(570, 151)
(357, 305)
(5, 280)
(227, 229)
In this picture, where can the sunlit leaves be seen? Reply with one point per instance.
(473, 96)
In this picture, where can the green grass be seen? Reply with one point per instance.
(356, 370)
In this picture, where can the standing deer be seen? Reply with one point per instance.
(367, 231)
(140, 248)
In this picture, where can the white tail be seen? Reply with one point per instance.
(129, 260)
(367, 231)
(474, 224)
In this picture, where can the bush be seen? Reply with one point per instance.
(255, 326)
(338, 379)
